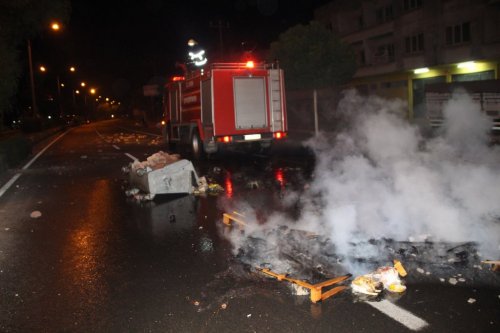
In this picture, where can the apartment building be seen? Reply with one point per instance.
(403, 45)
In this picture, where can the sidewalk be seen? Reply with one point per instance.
(16, 146)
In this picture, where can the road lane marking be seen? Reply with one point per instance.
(401, 315)
(116, 147)
(132, 157)
(17, 175)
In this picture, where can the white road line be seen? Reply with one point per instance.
(116, 147)
(401, 315)
(17, 175)
(131, 156)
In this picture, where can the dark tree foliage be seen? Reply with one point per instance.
(313, 57)
(19, 21)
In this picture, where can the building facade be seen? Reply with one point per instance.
(403, 45)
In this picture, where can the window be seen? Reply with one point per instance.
(486, 75)
(361, 58)
(414, 43)
(458, 34)
(411, 4)
(384, 53)
(384, 14)
(361, 22)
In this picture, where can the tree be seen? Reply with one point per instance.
(19, 21)
(313, 58)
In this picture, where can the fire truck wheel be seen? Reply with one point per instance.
(196, 146)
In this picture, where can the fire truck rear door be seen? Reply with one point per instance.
(250, 102)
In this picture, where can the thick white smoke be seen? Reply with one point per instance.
(380, 178)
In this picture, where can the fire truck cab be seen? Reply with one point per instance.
(226, 104)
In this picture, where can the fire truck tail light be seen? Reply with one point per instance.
(250, 64)
(225, 139)
(279, 135)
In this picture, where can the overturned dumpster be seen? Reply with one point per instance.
(163, 173)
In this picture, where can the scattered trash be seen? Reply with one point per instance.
(399, 267)
(35, 214)
(383, 278)
(461, 279)
(366, 285)
(215, 188)
(223, 306)
(495, 264)
(131, 192)
(452, 281)
(299, 290)
(471, 301)
(249, 315)
(254, 184)
(442, 280)
(420, 270)
(83, 157)
(196, 303)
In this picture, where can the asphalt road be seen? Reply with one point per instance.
(99, 261)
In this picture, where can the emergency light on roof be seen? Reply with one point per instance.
(178, 78)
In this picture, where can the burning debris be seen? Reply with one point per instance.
(383, 278)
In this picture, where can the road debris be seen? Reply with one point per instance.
(229, 218)
(495, 264)
(385, 277)
(471, 301)
(162, 173)
(35, 214)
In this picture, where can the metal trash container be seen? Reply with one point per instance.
(176, 178)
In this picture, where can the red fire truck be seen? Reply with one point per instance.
(226, 104)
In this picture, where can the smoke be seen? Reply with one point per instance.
(379, 178)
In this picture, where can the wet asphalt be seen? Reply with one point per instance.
(99, 261)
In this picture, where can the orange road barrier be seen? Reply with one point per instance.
(316, 290)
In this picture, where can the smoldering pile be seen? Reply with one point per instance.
(313, 257)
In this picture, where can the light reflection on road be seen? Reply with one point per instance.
(84, 253)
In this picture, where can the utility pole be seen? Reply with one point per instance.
(220, 25)
(32, 81)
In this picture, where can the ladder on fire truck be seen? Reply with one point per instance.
(275, 100)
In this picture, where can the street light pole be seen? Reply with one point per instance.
(59, 97)
(32, 81)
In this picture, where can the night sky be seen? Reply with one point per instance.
(121, 45)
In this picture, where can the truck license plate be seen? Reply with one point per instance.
(252, 137)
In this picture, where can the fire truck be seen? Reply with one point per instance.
(225, 105)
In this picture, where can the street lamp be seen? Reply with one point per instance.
(59, 85)
(54, 26)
